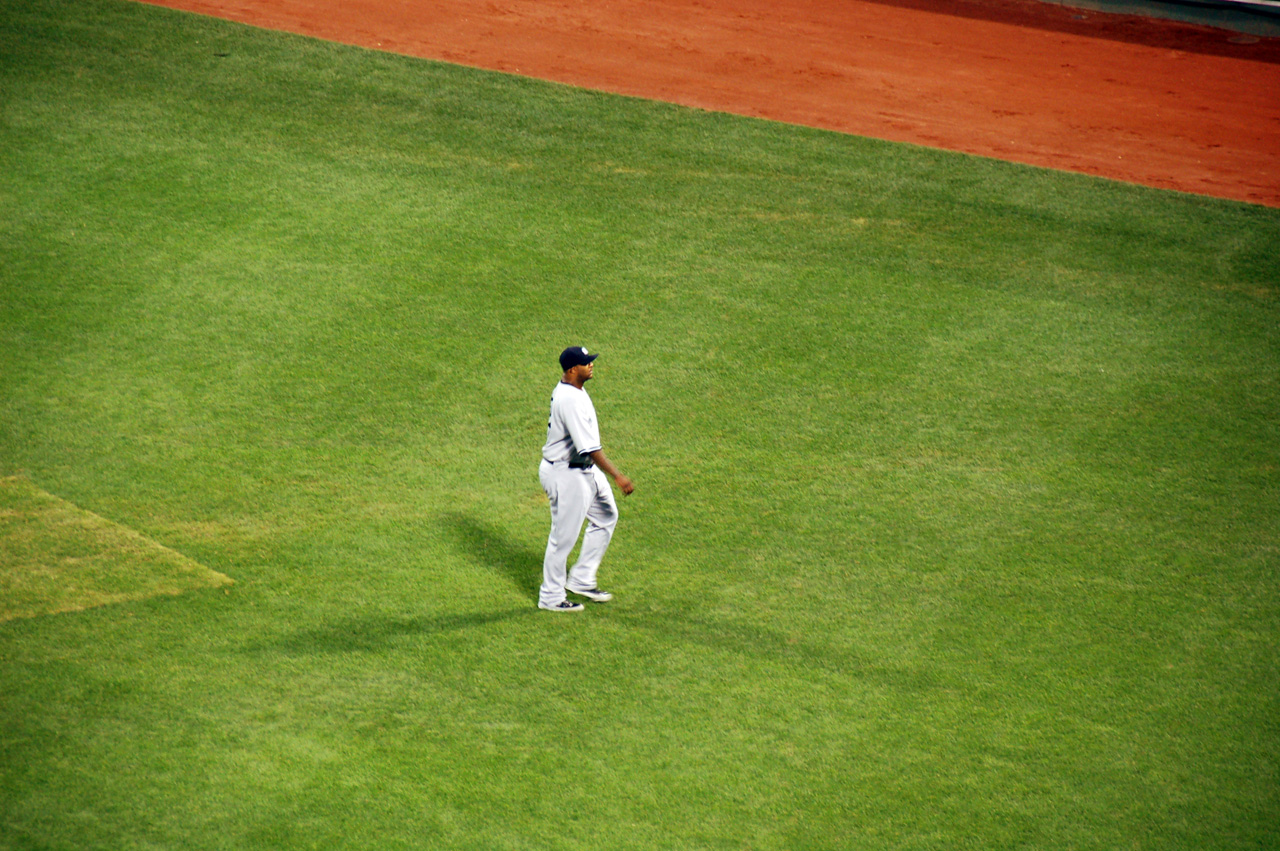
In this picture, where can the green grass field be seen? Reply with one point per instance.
(958, 482)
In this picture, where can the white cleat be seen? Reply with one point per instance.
(562, 606)
(593, 594)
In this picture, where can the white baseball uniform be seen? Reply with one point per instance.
(578, 491)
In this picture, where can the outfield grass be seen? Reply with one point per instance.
(957, 481)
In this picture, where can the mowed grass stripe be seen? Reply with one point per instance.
(55, 557)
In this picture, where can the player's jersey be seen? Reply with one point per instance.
(572, 431)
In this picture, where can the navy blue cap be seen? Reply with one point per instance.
(575, 356)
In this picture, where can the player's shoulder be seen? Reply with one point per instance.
(567, 391)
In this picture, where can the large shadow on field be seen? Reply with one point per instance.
(1168, 24)
(490, 547)
(793, 649)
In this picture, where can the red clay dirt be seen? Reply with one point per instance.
(1148, 101)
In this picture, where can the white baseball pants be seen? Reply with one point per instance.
(576, 495)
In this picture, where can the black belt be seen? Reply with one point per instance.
(580, 466)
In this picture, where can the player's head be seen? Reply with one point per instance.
(575, 356)
(576, 363)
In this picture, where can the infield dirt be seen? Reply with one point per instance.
(1143, 100)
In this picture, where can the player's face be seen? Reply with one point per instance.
(587, 371)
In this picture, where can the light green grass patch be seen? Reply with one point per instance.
(55, 557)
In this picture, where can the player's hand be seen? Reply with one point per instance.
(624, 483)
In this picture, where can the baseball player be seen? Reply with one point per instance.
(572, 473)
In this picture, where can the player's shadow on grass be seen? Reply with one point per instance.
(377, 633)
(493, 549)
(487, 546)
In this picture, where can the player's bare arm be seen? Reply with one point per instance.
(613, 472)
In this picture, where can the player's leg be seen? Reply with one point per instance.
(569, 503)
(602, 519)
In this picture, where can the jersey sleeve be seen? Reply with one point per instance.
(580, 420)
